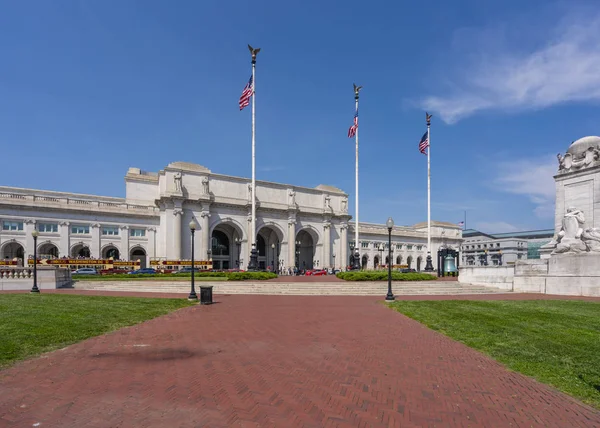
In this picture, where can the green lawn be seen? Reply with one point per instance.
(31, 324)
(555, 341)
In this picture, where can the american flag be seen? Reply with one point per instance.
(461, 223)
(246, 94)
(423, 144)
(354, 127)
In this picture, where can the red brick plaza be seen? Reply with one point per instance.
(279, 361)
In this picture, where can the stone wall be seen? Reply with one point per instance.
(493, 276)
(48, 278)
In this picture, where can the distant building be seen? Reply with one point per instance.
(479, 248)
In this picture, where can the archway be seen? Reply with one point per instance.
(110, 251)
(399, 260)
(387, 260)
(47, 250)
(409, 261)
(225, 245)
(13, 250)
(80, 250)
(419, 260)
(269, 238)
(220, 249)
(376, 262)
(138, 253)
(364, 262)
(305, 249)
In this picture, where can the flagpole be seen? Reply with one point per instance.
(356, 258)
(465, 224)
(253, 263)
(429, 265)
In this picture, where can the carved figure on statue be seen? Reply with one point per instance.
(345, 205)
(177, 178)
(205, 188)
(569, 236)
(561, 161)
(292, 197)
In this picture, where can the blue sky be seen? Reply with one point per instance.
(88, 89)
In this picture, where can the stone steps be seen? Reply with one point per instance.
(278, 288)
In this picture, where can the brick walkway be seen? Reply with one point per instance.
(278, 361)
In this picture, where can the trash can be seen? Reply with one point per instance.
(206, 295)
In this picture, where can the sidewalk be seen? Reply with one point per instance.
(279, 361)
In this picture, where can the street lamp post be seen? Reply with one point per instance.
(238, 243)
(333, 255)
(193, 295)
(273, 259)
(35, 235)
(390, 224)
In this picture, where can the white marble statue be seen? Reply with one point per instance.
(292, 197)
(569, 236)
(327, 202)
(205, 188)
(344, 205)
(177, 178)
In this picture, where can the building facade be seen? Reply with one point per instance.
(296, 226)
(481, 249)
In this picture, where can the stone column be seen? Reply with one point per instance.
(151, 249)
(326, 262)
(291, 242)
(29, 228)
(95, 245)
(205, 230)
(343, 253)
(64, 244)
(176, 254)
(124, 253)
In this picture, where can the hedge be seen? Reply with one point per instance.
(383, 276)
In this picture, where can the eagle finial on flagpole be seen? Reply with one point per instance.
(356, 90)
(428, 118)
(253, 52)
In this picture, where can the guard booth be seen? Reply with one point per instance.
(447, 262)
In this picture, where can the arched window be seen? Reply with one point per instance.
(260, 245)
(219, 244)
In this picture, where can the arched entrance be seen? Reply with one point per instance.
(399, 260)
(419, 261)
(269, 239)
(409, 261)
(81, 251)
(220, 250)
(387, 260)
(47, 250)
(225, 246)
(364, 262)
(305, 249)
(110, 251)
(13, 250)
(138, 253)
(376, 262)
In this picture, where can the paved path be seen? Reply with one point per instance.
(278, 361)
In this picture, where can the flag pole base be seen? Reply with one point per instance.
(356, 261)
(253, 264)
(429, 264)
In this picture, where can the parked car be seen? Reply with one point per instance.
(85, 271)
(142, 271)
(319, 272)
(188, 270)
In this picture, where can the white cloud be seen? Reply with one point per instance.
(531, 178)
(564, 69)
(496, 227)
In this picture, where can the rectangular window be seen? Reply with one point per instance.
(110, 231)
(12, 225)
(47, 227)
(409, 247)
(364, 244)
(137, 232)
(80, 230)
(398, 246)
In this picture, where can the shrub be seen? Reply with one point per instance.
(383, 276)
(258, 276)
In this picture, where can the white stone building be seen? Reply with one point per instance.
(307, 227)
